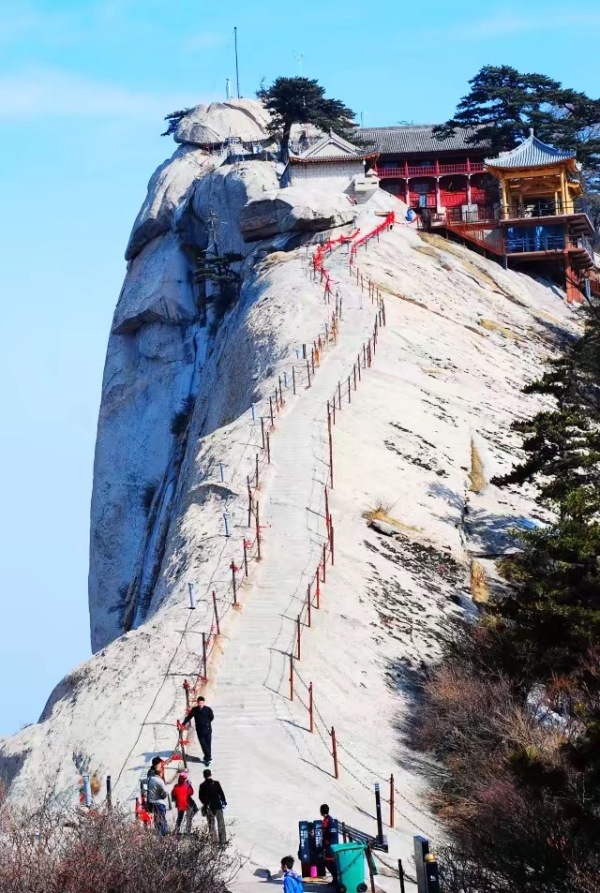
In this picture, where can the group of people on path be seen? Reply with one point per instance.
(212, 798)
(210, 792)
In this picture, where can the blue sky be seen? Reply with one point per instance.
(84, 87)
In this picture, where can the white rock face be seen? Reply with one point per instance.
(158, 288)
(214, 123)
(462, 337)
(294, 210)
(168, 188)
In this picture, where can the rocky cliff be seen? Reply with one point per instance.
(190, 369)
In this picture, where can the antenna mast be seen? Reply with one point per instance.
(237, 67)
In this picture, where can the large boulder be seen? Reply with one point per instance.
(168, 189)
(246, 119)
(294, 210)
(219, 199)
(158, 288)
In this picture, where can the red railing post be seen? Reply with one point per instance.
(291, 677)
(308, 607)
(217, 622)
(358, 365)
(256, 471)
(298, 631)
(336, 771)
(271, 412)
(311, 717)
(331, 544)
(326, 507)
(318, 589)
(204, 657)
(293, 379)
(268, 448)
(392, 801)
(186, 688)
(262, 431)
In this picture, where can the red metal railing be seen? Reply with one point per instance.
(421, 170)
(430, 170)
(384, 172)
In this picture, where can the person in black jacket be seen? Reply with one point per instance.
(203, 717)
(213, 802)
(329, 837)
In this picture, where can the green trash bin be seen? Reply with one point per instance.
(350, 864)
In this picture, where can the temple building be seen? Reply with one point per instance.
(534, 222)
(332, 164)
(426, 172)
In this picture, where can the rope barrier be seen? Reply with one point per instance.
(300, 374)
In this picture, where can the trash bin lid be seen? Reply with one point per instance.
(347, 847)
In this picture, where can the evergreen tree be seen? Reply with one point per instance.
(503, 104)
(173, 119)
(301, 100)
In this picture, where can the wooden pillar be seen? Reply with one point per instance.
(563, 189)
(438, 197)
(406, 192)
(504, 199)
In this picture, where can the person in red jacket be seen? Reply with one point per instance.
(183, 794)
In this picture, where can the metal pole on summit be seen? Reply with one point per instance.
(237, 64)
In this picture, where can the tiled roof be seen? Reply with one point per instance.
(416, 138)
(334, 159)
(531, 153)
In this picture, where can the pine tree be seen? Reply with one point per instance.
(301, 100)
(503, 104)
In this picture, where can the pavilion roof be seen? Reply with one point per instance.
(531, 153)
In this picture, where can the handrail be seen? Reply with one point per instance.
(429, 170)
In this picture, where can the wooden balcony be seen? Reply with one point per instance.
(430, 170)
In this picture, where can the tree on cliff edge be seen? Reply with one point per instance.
(302, 101)
(504, 103)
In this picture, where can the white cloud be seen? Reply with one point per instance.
(517, 23)
(42, 92)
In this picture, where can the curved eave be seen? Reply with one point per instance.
(333, 159)
(567, 163)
